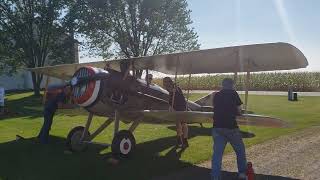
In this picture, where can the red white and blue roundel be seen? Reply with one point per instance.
(85, 94)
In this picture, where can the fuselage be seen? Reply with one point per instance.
(112, 91)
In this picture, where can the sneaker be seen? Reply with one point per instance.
(215, 178)
(185, 143)
(242, 176)
(18, 137)
(179, 142)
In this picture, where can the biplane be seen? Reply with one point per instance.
(108, 89)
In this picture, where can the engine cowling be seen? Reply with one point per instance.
(85, 94)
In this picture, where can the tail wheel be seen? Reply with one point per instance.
(123, 144)
(73, 140)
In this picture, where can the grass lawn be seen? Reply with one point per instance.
(155, 155)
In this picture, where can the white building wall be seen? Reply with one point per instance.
(22, 80)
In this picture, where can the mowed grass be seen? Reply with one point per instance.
(155, 154)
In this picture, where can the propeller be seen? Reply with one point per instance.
(77, 81)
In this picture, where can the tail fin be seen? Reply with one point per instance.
(206, 100)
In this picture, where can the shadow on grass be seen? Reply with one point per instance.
(31, 107)
(26, 106)
(27, 159)
(205, 131)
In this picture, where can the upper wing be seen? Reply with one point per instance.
(253, 58)
(160, 116)
(65, 71)
(258, 57)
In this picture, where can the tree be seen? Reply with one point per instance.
(8, 56)
(138, 27)
(32, 35)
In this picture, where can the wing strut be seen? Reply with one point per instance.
(116, 122)
(45, 90)
(188, 88)
(189, 85)
(147, 73)
(246, 91)
(235, 77)
(175, 83)
(126, 74)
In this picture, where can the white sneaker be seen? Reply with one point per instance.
(215, 178)
(242, 176)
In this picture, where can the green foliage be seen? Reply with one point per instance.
(138, 27)
(299, 81)
(32, 35)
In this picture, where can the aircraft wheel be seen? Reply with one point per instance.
(73, 139)
(123, 144)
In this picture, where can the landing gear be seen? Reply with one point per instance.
(74, 141)
(123, 144)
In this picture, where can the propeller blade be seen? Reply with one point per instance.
(76, 81)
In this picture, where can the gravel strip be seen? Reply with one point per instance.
(296, 156)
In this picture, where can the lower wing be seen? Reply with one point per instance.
(167, 117)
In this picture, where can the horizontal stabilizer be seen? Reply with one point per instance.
(206, 100)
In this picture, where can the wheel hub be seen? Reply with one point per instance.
(76, 140)
(125, 146)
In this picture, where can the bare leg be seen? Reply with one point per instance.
(179, 128)
(185, 130)
(179, 133)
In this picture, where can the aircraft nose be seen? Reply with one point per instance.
(86, 85)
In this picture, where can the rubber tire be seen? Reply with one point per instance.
(120, 136)
(76, 129)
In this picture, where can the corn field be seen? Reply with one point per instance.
(299, 81)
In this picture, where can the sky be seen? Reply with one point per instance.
(222, 23)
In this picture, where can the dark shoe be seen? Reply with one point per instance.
(185, 143)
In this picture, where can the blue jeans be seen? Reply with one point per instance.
(221, 136)
(44, 132)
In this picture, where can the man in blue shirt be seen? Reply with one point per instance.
(51, 105)
(227, 105)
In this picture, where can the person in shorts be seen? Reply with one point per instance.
(177, 102)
